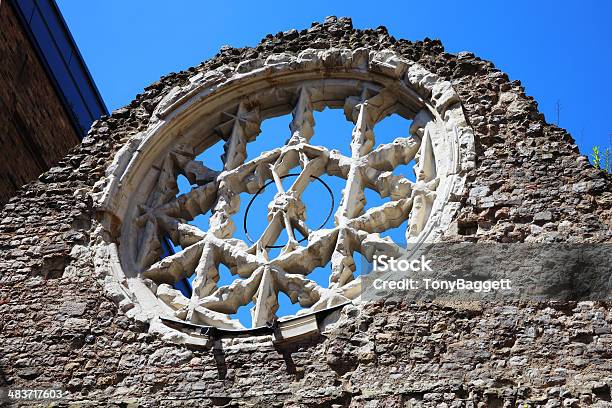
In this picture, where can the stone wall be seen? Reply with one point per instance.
(35, 131)
(530, 183)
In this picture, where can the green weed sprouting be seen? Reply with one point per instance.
(596, 157)
(601, 159)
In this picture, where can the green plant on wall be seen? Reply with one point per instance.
(601, 159)
(596, 157)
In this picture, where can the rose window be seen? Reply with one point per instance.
(150, 215)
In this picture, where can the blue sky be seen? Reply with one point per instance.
(561, 51)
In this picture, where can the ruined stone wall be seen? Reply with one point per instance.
(530, 183)
(35, 131)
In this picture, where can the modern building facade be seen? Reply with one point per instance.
(48, 99)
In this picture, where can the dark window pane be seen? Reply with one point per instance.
(26, 7)
(56, 29)
(87, 91)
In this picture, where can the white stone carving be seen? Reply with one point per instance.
(140, 207)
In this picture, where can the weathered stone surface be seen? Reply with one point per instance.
(379, 354)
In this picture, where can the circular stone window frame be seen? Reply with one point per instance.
(181, 108)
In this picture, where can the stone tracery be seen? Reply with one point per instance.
(365, 102)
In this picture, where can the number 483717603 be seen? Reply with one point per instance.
(34, 394)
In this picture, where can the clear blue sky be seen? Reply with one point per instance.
(561, 51)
